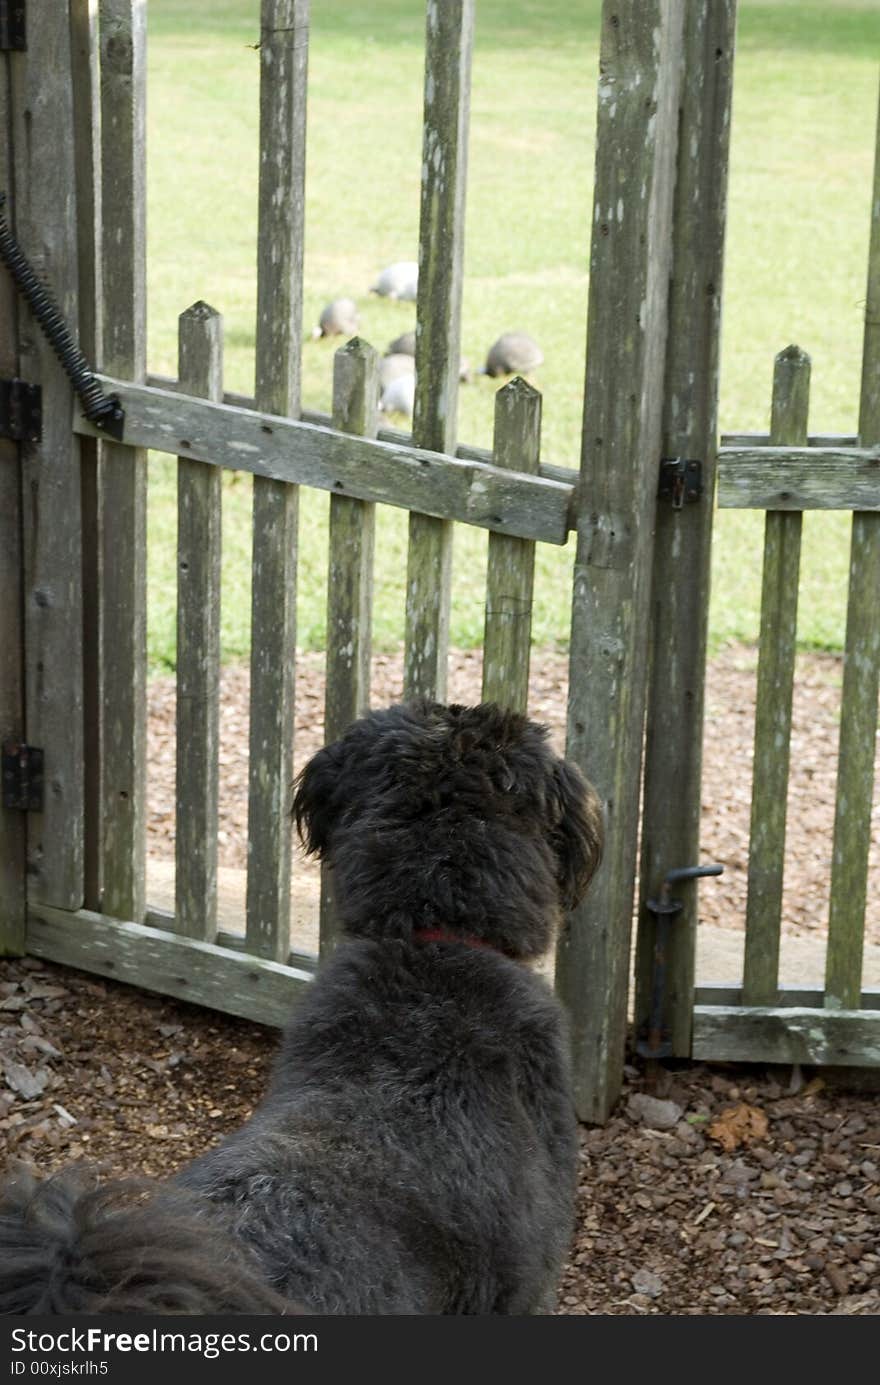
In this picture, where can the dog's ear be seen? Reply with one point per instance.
(317, 799)
(577, 831)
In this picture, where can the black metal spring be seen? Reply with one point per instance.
(99, 408)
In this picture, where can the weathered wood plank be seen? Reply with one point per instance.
(820, 440)
(510, 574)
(199, 534)
(855, 768)
(202, 973)
(365, 468)
(799, 478)
(284, 49)
(448, 50)
(12, 825)
(805, 997)
(350, 579)
(123, 469)
(164, 919)
(284, 36)
(778, 642)
(44, 210)
(483, 454)
(466, 451)
(84, 46)
(683, 537)
(352, 539)
(787, 1034)
(630, 262)
(861, 678)
(87, 157)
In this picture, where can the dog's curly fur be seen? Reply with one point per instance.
(416, 1151)
(68, 1245)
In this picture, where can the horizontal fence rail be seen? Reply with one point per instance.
(466, 451)
(285, 449)
(255, 988)
(787, 994)
(799, 478)
(787, 1034)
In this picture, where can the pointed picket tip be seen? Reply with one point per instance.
(519, 388)
(794, 354)
(199, 311)
(358, 348)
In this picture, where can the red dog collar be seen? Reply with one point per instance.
(439, 935)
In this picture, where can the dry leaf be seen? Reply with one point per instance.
(738, 1125)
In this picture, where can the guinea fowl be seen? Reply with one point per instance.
(400, 280)
(339, 319)
(514, 353)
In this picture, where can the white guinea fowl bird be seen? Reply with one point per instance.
(399, 280)
(394, 365)
(339, 319)
(399, 396)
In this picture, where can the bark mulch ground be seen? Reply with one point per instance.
(710, 1191)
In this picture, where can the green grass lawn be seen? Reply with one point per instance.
(805, 103)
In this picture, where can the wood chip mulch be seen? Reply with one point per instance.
(710, 1191)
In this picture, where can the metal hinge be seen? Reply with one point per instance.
(13, 33)
(22, 777)
(681, 481)
(21, 411)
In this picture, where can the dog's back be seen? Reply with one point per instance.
(416, 1151)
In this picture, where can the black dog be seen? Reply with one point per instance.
(416, 1151)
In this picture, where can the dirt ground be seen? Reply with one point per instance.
(730, 698)
(710, 1191)
(669, 1220)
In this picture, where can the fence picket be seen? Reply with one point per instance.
(124, 469)
(87, 153)
(200, 367)
(776, 656)
(861, 682)
(350, 578)
(12, 825)
(630, 263)
(682, 552)
(510, 574)
(283, 66)
(43, 209)
(448, 47)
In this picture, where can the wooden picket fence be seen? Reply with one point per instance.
(72, 876)
(784, 476)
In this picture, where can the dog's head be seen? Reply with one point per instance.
(459, 818)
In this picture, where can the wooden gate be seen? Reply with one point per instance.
(783, 474)
(75, 96)
(73, 502)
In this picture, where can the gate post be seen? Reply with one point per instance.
(43, 212)
(630, 261)
(682, 549)
(12, 822)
